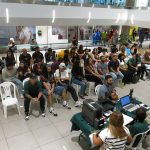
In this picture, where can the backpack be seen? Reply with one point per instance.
(135, 78)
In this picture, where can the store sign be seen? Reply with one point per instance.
(141, 3)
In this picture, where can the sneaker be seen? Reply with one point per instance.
(67, 106)
(27, 117)
(53, 112)
(78, 103)
(43, 114)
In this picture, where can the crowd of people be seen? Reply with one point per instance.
(57, 73)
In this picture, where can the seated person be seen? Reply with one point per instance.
(58, 90)
(102, 67)
(33, 92)
(91, 73)
(78, 78)
(107, 91)
(135, 66)
(86, 55)
(38, 65)
(37, 55)
(140, 125)
(115, 136)
(63, 79)
(10, 58)
(104, 53)
(26, 58)
(124, 69)
(113, 67)
(22, 71)
(9, 75)
(49, 55)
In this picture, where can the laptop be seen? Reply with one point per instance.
(127, 105)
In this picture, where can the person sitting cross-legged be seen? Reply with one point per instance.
(63, 79)
(33, 92)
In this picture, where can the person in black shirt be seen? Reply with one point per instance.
(37, 55)
(26, 58)
(10, 59)
(78, 78)
(49, 55)
(113, 67)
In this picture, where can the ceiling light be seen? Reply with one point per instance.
(54, 15)
(7, 15)
(89, 17)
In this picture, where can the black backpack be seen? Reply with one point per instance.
(135, 78)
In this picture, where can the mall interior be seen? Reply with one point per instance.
(74, 74)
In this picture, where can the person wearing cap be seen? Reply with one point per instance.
(26, 58)
(33, 92)
(113, 67)
(63, 79)
(37, 55)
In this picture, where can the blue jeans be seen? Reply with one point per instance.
(82, 83)
(19, 85)
(117, 75)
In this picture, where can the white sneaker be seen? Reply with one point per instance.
(52, 111)
(67, 106)
(27, 117)
(78, 103)
(43, 114)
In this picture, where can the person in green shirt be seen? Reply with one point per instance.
(33, 92)
(135, 65)
(140, 125)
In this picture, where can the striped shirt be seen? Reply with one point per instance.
(112, 143)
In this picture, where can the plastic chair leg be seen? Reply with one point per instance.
(18, 107)
(5, 111)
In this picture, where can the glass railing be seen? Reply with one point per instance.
(84, 3)
(54, 46)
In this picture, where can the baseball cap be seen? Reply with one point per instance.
(62, 65)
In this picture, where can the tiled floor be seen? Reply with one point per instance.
(52, 133)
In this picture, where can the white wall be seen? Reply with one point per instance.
(47, 36)
(41, 15)
(43, 38)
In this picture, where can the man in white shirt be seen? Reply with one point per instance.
(63, 79)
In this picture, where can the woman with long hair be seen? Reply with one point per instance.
(10, 58)
(115, 136)
(78, 78)
(91, 74)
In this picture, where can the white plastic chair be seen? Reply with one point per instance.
(8, 96)
(137, 141)
(97, 88)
